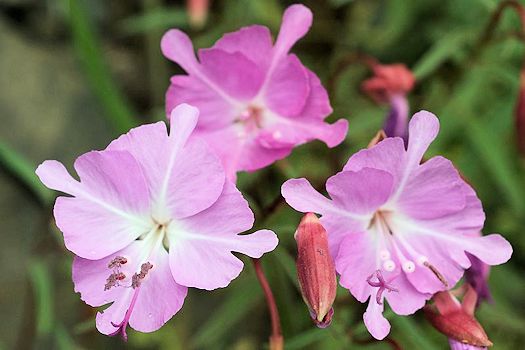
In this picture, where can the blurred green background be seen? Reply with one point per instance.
(75, 74)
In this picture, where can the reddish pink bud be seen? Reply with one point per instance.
(456, 320)
(316, 270)
(197, 12)
(389, 80)
(520, 115)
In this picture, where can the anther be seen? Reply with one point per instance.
(117, 262)
(384, 254)
(137, 278)
(436, 272)
(389, 265)
(113, 280)
(409, 266)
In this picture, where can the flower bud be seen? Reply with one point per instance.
(456, 320)
(316, 270)
(197, 12)
(390, 84)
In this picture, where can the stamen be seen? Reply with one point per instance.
(137, 278)
(409, 266)
(117, 262)
(389, 265)
(436, 272)
(384, 254)
(381, 284)
(113, 280)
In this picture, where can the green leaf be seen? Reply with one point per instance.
(41, 282)
(24, 171)
(89, 51)
(237, 306)
(445, 48)
(498, 164)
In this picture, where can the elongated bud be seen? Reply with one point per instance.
(316, 270)
(390, 84)
(456, 320)
(197, 12)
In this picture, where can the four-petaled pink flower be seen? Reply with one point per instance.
(152, 215)
(412, 222)
(257, 101)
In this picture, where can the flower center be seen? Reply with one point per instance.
(394, 247)
(251, 118)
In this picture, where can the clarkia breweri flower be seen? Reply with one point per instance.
(316, 270)
(152, 215)
(257, 101)
(399, 229)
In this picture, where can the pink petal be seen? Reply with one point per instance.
(111, 204)
(194, 177)
(216, 112)
(338, 228)
(317, 106)
(422, 130)
(361, 192)
(254, 42)
(54, 175)
(433, 190)
(491, 249)
(237, 76)
(301, 196)
(355, 261)
(114, 313)
(375, 322)
(144, 143)
(388, 155)
(293, 132)
(160, 297)
(201, 246)
(196, 180)
(438, 254)
(177, 46)
(297, 20)
(468, 221)
(408, 299)
(288, 87)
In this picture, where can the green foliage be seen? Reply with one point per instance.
(471, 86)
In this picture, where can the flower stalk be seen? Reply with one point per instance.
(276, 337)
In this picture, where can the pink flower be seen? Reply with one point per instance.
(399, 229)
(257, 100)
(149, 192)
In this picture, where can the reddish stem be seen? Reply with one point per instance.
(276, 338)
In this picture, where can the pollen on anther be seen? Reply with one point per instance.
(409, 266)
(422, 260)
(137, 278)
(389, 265)
(117, 262)
(384, 254)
